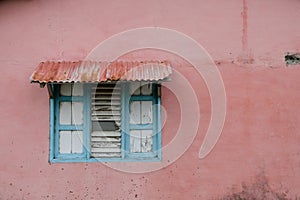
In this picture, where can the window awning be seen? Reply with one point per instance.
(90, 71)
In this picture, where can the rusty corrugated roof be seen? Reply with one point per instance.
(90, 71)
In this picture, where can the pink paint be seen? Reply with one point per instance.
(245, 25)
(261, 132)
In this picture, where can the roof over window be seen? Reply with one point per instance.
(91, 71)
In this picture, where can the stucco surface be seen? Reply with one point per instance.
(246, 39)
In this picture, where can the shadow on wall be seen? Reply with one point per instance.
(14, 1)
(259, 190)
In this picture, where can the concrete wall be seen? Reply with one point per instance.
(258, 152)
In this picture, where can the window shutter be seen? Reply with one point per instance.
(106, 121)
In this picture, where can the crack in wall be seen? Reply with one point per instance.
(245, 26)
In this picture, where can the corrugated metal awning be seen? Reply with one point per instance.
(90, 71)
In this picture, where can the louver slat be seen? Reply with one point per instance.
(107, 139)
(105, 113)
(106, 108)
(106, 134)
(106, 92)
(105, 155)
(106, 103)
(107, 145)
(104, 97)
(106, 150)
(106, 118)
(99, 119)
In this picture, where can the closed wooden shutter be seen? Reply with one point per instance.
(106, 121)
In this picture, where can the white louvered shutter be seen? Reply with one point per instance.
(106, 121)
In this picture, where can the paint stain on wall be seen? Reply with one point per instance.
(292, 59)
(259, 189)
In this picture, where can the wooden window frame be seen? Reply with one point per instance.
(127, 156)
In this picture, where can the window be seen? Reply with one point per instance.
(110, 121)
(102, 111)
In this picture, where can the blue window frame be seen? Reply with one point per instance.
(90, 124)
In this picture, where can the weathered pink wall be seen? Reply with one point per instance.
(260, 142)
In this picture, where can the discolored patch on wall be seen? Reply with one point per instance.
(292, 59)
(259, 189)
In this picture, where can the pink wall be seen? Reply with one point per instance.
(259, 146)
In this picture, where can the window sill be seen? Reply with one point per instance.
(104, 160)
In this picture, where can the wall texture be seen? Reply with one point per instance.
(258, 152)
